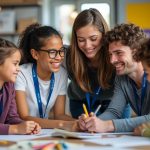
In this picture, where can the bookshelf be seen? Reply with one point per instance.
(26, 12)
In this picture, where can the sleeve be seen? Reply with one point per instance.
(13, 116)
(115, 110)
(117, 105)
(128, 125)
(4, 129)
(20, 83)
(64, 82)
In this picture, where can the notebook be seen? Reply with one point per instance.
(84, 135)
(81, 135)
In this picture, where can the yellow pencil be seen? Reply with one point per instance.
(85, 110)
(58, 146)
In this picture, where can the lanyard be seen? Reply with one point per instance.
(144, 86)
(1, 106)
(87, 95)
(37, 90)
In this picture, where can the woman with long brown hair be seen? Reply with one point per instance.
(91, 74)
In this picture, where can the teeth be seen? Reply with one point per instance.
(89, 51)
(56, 64)
(118, 66)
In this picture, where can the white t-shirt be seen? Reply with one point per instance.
(24, 82)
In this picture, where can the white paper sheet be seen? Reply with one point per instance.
(15, 138)
(121, 141)
(81, 135)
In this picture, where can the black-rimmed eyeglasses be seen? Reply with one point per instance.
(52, 53)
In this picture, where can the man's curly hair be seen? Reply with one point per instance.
(128, 34)
(143, 53)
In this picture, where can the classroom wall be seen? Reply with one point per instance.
(134, 11)
(125, 12)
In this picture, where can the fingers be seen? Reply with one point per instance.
(82, 118)
(91, 129)
(91, 123)
(28, 127)
(37, 129)
(86, 122)
(140, 129)
(76, 126)
(92, 114)
(82, 122)
(32, 127)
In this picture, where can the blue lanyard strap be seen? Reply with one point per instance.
(144, 86)
(37, 90)
(87, 95)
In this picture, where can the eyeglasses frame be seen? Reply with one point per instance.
(54, 50)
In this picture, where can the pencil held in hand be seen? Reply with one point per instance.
(98, 108)
(85, 110)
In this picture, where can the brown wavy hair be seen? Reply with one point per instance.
(128, 34)
(143, 53)
(78, 61)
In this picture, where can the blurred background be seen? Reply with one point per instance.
(15, 15)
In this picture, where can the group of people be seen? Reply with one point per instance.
(107, 68)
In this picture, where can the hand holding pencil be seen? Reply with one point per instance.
(81, 121)
(86, 120)
(91, 113)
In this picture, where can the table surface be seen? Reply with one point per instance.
(107, 141)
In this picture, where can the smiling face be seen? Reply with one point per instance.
(10, 68)
(44, 63)
(89, 40)
(122, 59)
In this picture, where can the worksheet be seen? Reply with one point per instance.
(121, 141)
(81, 135)
(15, 138)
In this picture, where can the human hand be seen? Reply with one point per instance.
(37, 129)
(143, 130)
(26, 127)
(94, 124)
(81, 122)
